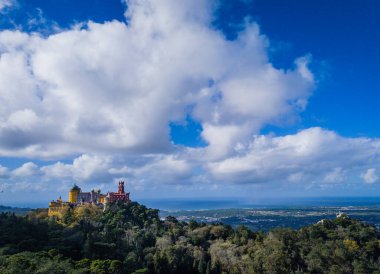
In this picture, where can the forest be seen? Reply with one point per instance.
(131, 238)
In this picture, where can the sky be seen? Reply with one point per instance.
(189, 99)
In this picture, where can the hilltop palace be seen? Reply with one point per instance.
(77, 197)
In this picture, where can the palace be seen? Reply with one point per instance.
(77, 198)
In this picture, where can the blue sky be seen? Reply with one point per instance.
(198, 98)
(342, 37)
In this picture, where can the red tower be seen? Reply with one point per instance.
(120, 195)
(121, 187)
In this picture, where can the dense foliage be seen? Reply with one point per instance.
(130, 238)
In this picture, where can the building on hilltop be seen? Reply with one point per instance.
(121, 195)
(57, 207)
(77, 198)
(73, 194)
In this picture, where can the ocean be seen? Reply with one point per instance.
(174, 204)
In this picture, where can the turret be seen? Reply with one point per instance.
(73, 194)
(121, 187)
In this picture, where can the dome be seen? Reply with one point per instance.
(75, 188)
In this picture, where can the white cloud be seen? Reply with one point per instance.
(84, 168)
(3, 171)
(58, 171)
(370, 176)
(167, 169)
(115, 87)
(6, 4)
(337, 175)
(93, 171)
(22, 120)
(26, 170)
(311, 158)
(103, 95)
(310, 155)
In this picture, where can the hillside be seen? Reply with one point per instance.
(130, 238)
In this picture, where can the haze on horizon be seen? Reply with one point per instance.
(192, 98)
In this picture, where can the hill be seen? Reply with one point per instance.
(16, 210)
(130, 238)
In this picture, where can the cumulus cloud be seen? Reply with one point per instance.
(370, 176)
(116, 87)
(312, 154)
(26, 170)
(311, 158)
(103, 95)
(83, 168)
(94, 171)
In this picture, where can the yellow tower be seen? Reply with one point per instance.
(73, 194)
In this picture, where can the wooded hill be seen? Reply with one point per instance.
(130, 238)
